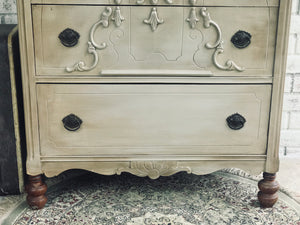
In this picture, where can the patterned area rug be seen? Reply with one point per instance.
(183, 199)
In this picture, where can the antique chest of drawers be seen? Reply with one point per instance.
(153, 87)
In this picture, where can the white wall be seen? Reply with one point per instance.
(290, 135)
(8, 12)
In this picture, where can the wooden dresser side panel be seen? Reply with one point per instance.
(33, 165)
(272, 165)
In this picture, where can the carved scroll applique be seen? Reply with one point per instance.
(229, 65)
(218, 45)
(153, 20)
(154, 169)
(92, 45)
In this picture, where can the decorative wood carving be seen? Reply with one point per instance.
(92, 45)
(117, 17)
(192, 19)
(36, 190)
(153, 20)
(268, 190)
(154, 169)
(229, 65)
(218, 45)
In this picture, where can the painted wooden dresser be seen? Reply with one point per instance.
(153, 87)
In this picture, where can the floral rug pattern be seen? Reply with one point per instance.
(182, 199)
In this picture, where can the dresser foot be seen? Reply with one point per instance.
(36, 190)
(268, 190)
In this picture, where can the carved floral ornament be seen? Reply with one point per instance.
(154, 169)
(154, 21)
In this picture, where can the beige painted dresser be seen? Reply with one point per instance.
(153, 87)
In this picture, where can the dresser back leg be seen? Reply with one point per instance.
(36, 190)
(268, 187)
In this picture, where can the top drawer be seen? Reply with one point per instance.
(74, 40)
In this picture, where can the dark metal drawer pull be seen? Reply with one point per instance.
(241, 39)
(236, 121)
(72, 122)
(69, 37)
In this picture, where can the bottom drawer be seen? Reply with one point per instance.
(153, 119)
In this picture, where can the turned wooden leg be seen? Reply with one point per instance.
(268, 190)
(36, 190)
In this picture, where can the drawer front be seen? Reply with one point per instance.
(144, 40)
(152, 119)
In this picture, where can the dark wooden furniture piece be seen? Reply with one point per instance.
(12, 134)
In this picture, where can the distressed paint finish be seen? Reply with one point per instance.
(139, 119)
(159, 37)
(154, 129)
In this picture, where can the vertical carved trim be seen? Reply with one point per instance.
(92, 45)
(117, 17)
(192, 19)
(153, 20)
(218, 46)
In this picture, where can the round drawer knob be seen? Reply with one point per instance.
(241, 39)
(236, 121)
(69, 37)
(72, 122)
